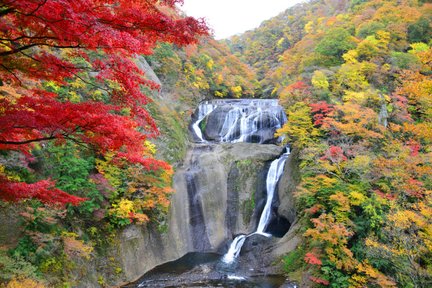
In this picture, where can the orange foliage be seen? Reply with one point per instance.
(354, 121)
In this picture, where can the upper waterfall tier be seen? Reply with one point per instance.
(238, 120)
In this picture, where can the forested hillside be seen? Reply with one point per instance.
(205, 70)
(356, 80)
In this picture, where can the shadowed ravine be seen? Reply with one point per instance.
(228, 186)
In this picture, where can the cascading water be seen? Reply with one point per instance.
(234, 249)
(273, 175)
(244, 120)
(204, 109)
(233, 121)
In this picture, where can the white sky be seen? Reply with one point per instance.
(230, 17)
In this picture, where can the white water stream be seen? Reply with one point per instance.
(204, 109)
(273, 175)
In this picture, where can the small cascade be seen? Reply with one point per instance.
(234, 249)
(273, 175)
(203, 110)
(239, 120)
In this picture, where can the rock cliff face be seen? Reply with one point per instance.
(227, 180)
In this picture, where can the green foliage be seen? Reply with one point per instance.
(334, 44)
(71, 169)
(369, 28)
(405, 60)
(294, 260)
(421, 30)
(16, 267)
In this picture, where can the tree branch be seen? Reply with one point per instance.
(22, 48)
(26, 141)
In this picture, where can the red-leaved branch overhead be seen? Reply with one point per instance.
(94, 41)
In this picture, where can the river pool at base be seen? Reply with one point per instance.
(205, 270)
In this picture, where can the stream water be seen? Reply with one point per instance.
(214, 122)
(273, 175)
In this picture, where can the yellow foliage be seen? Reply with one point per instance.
(379, 279)
(280, 42)
(123, 209)
(78, 83)
(309, 27)
(237, 91)
(351, 56)
(360, 163)
(23, 283)
(97, 95)
(219, 94)
(111, 172)
(357, 198)
(52, 85)
(358, 280)
(355, 97)
(319, 80)
(299, 129)
(151, 148)
(352, 76)
(420, 130)
(402, 219)
(219, 79)
(9, 175)
(74, 97)
(341, 200)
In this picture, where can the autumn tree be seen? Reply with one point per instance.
(49, 45)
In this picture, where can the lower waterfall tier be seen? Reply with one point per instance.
(217, 192)
(220, 193)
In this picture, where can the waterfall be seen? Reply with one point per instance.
(243, 120)
(234, 249)
(203, 110)
(238, 120)
(273, 175)
(213, 187)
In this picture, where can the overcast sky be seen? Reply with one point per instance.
(230, 17)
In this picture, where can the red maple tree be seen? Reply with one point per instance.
(95, 41)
